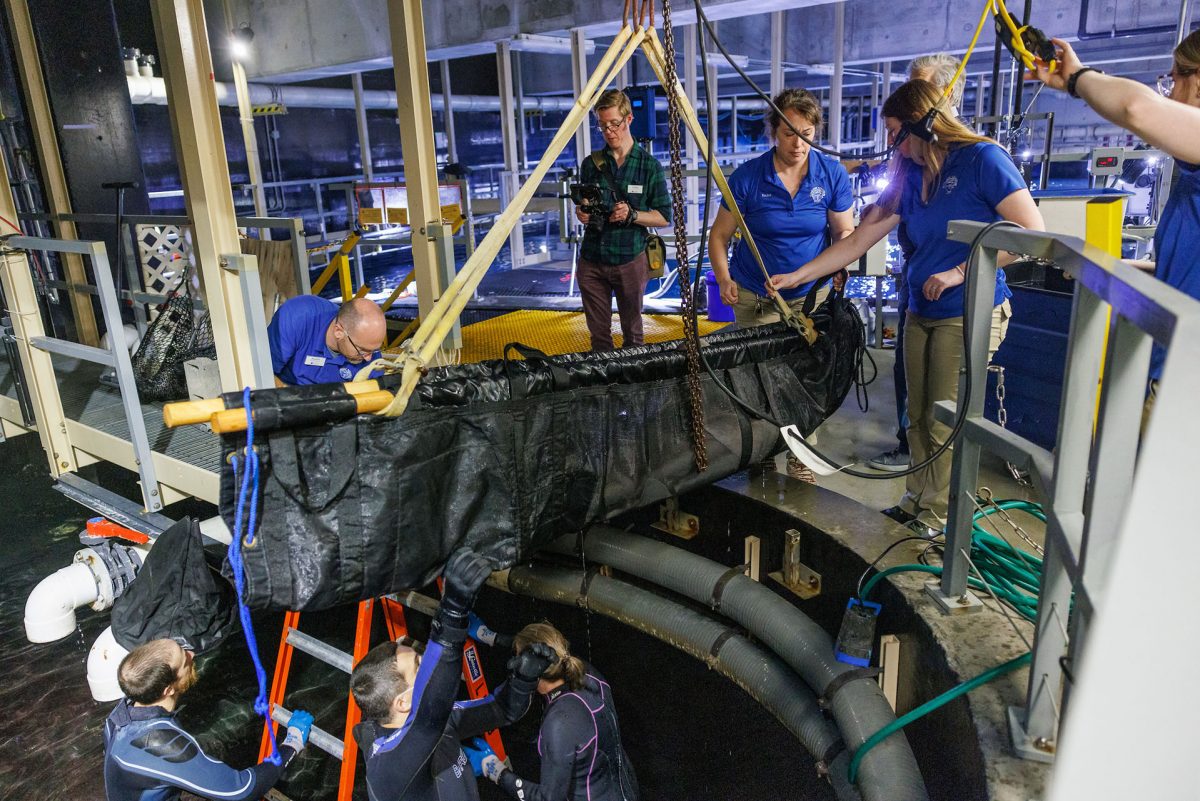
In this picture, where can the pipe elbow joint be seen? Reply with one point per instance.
(50, 608)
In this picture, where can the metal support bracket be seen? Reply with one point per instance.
(1039, 749)
(677, 523)
(962, 604)
(795, 575)
(246, 269)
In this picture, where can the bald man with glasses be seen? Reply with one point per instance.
(315, 341)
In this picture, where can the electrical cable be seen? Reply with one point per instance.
(960, 417)
(1012, 576)
(908, 129)
(709, 160)
(879, 558)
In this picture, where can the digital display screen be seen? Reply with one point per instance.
(1106, 161)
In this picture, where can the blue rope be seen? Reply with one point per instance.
(249, 486)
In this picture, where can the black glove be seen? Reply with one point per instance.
(465, 573)
(531, 663)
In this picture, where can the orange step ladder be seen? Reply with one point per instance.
(345, 748)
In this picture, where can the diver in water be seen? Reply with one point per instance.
(411, 724)
(149, 757)
(579, 741)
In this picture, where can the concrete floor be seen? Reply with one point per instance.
(854, 435)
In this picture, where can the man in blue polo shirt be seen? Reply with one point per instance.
(314, 341)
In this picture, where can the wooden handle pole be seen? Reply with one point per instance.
(234, 420)
(184, 413)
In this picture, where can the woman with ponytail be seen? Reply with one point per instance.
(579, 741)
(943, 174)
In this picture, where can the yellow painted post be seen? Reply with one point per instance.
(16, 280)
(417, 144)
(344, 276)
(181, 32)
(1103, 219)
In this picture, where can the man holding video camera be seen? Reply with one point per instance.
(622, 192)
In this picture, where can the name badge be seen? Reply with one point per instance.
(635, 189)
(314, 361)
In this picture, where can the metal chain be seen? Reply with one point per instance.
(1002, 418)
(679, 218)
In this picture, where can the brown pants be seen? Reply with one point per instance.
(597, 285)
(932, 357)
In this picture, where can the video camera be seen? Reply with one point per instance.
(594, 200)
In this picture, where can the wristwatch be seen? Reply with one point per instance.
(1075, 79)
(633, 215)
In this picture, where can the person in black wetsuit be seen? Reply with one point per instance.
(579, 741)
(149, 757)
(411, 724)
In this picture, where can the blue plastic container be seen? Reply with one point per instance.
(718, 310)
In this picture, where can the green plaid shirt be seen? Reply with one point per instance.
(644, 183)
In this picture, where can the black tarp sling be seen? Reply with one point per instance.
(504, 456)
(176, 595)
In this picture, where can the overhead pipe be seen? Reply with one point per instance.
(763, 676)
(1083, 35)
(889, 772)
(153, 91)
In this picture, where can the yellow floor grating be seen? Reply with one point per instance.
(557, 332)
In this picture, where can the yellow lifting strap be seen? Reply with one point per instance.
(656, 56)
(434, 329)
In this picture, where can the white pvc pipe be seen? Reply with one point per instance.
(102, 663)
(153, 91)
(50, 608)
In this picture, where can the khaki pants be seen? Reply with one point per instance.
(932, 358)
(753, 310)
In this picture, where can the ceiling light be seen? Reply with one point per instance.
(239, 42)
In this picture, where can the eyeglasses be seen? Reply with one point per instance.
(612, 127)
(362, 354)
(1166, 83)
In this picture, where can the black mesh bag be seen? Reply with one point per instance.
(169, 341)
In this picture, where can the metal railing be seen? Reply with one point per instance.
(1117, 503)
(142, 301)
(115, 356)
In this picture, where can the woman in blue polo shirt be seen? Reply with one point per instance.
(958, 176)
(1170, 122)
(794, 201)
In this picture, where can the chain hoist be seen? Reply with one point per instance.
(679, 218)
